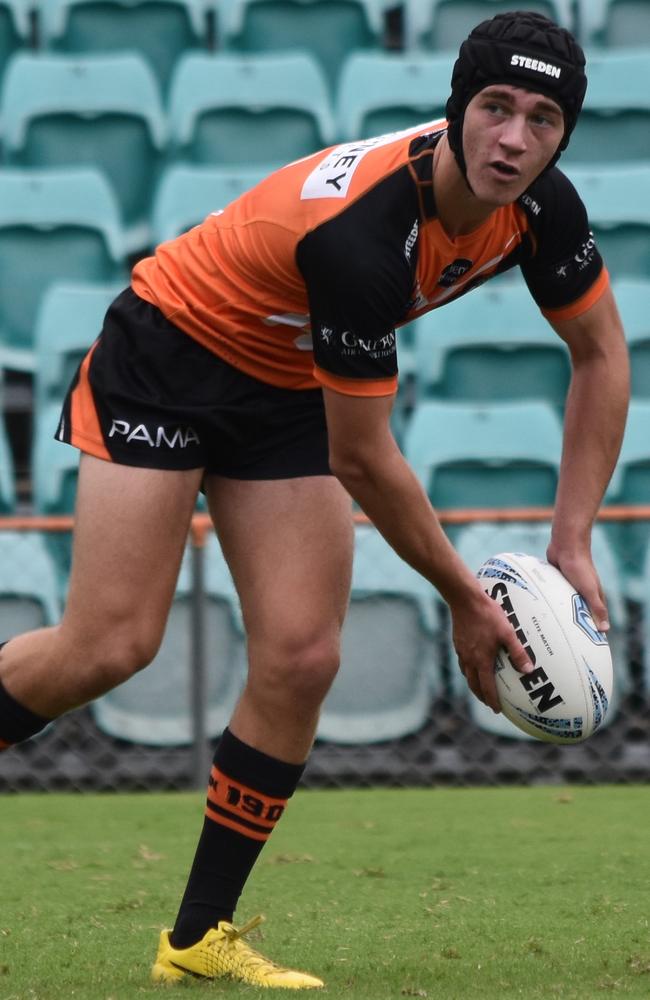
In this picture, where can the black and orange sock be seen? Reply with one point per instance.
(17, 723)
(247, 794)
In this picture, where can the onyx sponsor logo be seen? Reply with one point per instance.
(580, 260)
(454, 272)
(585, 254)
(354, 345)
(530, 203)
(538, 65)
(411, 240)
(155, 437)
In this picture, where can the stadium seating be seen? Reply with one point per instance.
(382, 92)
(15, 29)
(614, 124)
(632, 298)
(389, 670)
(487, 455)
(617, 201)
(614, 22)
(54, 466)
(28, 586)
(54, 475)
(476, 543)
(187, 194)
(69, 319)
(494, 336)
(645, 625)
(247, 110)
(160, 30)
(443, 24)
(328, 29)
(154, 706)
(7, 475)
(631, 485)
(100, 111)
(55, 225)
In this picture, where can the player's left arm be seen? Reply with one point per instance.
(594, 423)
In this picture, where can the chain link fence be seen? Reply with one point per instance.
(398, 714)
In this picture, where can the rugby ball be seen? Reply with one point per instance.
(566, 697)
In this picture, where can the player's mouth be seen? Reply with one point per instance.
(504, 170)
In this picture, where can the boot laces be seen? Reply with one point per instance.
(248, 956)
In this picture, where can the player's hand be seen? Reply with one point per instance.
(479, 629)
(580, 571)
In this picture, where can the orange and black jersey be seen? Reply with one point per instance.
(302, 281)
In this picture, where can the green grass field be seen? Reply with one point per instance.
(468, 894)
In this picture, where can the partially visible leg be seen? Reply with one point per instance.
(130, 530)
(289, 546)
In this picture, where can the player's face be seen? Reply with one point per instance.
(509, 136)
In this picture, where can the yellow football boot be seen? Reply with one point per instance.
(222, 953)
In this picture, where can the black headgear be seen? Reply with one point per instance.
(522, 49)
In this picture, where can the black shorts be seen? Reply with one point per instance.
(149, 395)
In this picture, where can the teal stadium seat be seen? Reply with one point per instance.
(154, 706)
(55, 225)
(330, 30)
(631, 485)
(390, 668)
(614, 22)
(7, 471)
(614, 124)
(54, 476)
(55, 465)
(633, 298)
(616, 197)
(476, 543)
(187, 194)
(160, 30)
(485, 455)
(492, 337)
(15, 29)
(387, 92)
(28, 586)
(645, 626)
(230, 110)
(69, 319)
(443, 24)
(100, 111)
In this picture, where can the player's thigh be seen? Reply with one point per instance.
(289, 545)
(131, 526)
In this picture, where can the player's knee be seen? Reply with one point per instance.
(304, 668)
(123, 653)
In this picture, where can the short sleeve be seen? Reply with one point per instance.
(565, 272)
(359, 271)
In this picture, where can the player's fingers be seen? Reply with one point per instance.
(598, 608)
(517, 653)
(482, 684)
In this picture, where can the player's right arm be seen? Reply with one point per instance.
(365, 458)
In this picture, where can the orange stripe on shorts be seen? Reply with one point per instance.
(86, 432)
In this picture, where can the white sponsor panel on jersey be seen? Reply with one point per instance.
(333, 175)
